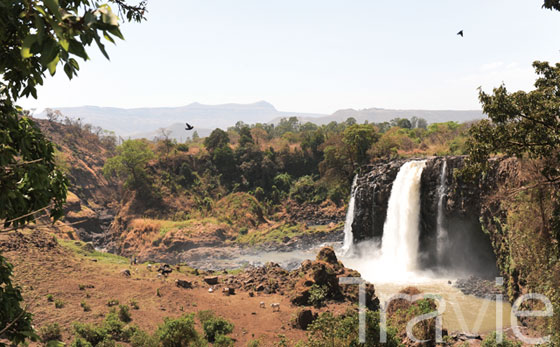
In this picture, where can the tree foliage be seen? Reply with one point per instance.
(552, 4)
(15, 322)
(520, 124)
(217, 139)
(130, 163)
(36, 37)
(29, 178)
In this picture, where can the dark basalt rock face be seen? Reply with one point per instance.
(467, 248)
(373, 190)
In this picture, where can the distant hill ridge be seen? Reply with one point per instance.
(145, 121)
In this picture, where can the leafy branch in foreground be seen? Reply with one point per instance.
(35, 37)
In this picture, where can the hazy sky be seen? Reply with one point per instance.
(315, 55)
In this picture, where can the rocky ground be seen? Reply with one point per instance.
(73, 272)
(480, 287)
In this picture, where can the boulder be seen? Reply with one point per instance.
(327, 255)
(183, 284)
(211, 280)
(125, 272)
(303, 318)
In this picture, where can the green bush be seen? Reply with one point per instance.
(58, 303)
(177, 332)
(50, 298)
(115, 327)
(216, 326)
(182, 147)
(124, 313)
(85, 306)
(254, 343)
(343, 330)
(490, 341)
(80, 342)
(140, 338)
(134, 304)
(50, 332)
(90, 333)
(317, 295)
(223, 341)
(205, 315)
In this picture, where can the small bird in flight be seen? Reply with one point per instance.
(460, 33)
(189, 127)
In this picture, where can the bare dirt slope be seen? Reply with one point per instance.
(44, 266)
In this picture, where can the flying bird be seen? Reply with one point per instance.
(189, 127)
(460, 33)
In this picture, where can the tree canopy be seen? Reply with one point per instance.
(130, 163)
(520, 123)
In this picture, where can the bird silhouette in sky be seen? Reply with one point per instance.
(189, 127)
(460, 33)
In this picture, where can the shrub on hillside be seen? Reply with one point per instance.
(50, 332)
(140, 338)
(214, 326)
(317, 295)
(343, 330)
(177, 332)
(490, 341)
(124, 313)
(223, 341)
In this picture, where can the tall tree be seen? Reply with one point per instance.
(130, 163)
(358, 139)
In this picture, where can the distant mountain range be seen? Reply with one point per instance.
(146, 122)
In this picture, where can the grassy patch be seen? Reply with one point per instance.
(78, 248)
(278, 233)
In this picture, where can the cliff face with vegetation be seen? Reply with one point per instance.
(502, 223)
(461, 206)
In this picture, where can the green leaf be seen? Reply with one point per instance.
(52, 65)
(74, 63)
(53, 6)
(49, 51)
(26, 46)
(68, 70)
(101, 46)
(116, 32)
(64, 44)
(78, 49)
(40, 25)
(108, 37)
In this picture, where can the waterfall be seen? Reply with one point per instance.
(400, 242)
(441, 231)
(348, 235)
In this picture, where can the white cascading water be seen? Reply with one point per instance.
(399, 245)
(396, 260)
(348, 236)
(442, 239)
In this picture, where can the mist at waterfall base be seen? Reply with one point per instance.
(461, 249)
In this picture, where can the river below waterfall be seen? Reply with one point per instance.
(463, 313)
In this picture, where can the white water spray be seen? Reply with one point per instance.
(348, 235)
(399, 246)
(442, 239)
